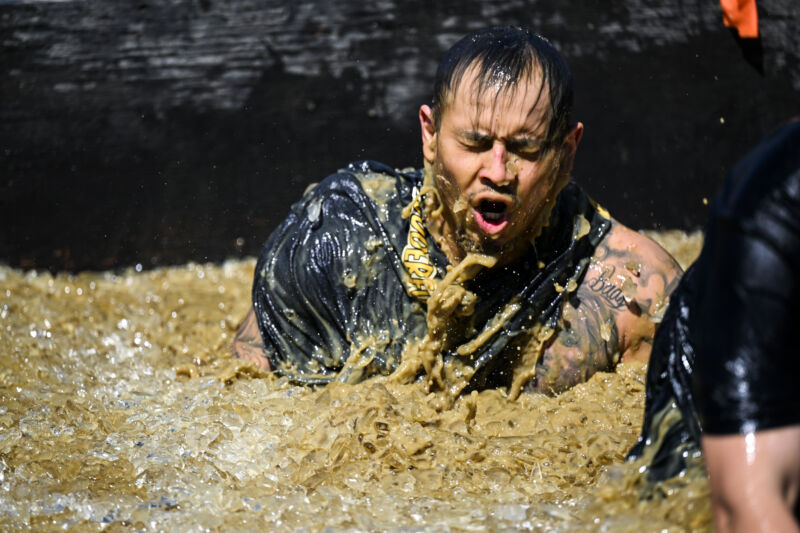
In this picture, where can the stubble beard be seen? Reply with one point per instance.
(459, 222)
(504, 251)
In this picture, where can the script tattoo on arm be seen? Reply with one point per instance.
(248, 343)
(652, 273)
(613, 313)
(600, 283)
(636, 279)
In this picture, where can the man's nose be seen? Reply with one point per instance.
(497, 170)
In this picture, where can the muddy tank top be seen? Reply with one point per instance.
(340, 287)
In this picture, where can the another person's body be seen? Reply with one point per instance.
(723, 374)
(488, 267)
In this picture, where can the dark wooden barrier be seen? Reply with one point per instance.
(159, 132)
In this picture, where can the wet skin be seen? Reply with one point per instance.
(496, 176)
(612, 314)
(248, 343)
(497, 179)
(754, 479)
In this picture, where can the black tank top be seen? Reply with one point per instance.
(339, 287)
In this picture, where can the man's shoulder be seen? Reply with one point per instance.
(368, 171)
(632, 276)
(367, 167)
(614, 310)
(359, 203)
(361, 180)
(635, 263)
(635, 250)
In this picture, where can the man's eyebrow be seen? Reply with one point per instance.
(518, 141)
(525, 141)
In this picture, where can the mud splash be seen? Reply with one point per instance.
(121, 409)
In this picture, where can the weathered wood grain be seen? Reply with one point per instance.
(174, 130)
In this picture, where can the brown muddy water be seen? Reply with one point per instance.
(120, 409)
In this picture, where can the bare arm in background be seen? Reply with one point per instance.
(248, 343)
(754, 480)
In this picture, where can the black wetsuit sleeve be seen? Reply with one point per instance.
(670, 430)
(747, 325)
(725, 358)
(299, 289)
(748, 318)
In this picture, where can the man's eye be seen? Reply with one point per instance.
(528, 151)
(477, 145)
(531, 154)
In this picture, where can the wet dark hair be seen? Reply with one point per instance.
(504, 56)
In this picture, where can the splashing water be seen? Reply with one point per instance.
(121, 408)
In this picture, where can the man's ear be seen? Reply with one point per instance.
(428, 127)
(571, 141)
(573, 138)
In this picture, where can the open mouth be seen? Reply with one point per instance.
(492, 211)
(491, 215)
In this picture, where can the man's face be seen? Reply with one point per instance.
(494, 173)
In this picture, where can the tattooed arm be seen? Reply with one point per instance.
(248, 343)
(585, 341)
(613, 313)
(645, 275)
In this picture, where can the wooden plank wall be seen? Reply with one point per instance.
(159, 132)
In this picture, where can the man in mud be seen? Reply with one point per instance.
(723, 376)
(487, 268)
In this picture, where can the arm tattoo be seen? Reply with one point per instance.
(662, 274)
(601, 284)
(663, 278)
(586, 342)
(628, 278)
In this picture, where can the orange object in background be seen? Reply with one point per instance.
(742, 15)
